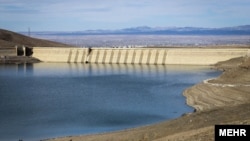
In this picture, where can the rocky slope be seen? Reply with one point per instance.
(11, 39)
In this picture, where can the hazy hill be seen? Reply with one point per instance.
(145, 30)
(10, 39)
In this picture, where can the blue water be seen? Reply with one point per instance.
(46, 100)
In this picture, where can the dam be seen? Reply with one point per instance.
(150, 56)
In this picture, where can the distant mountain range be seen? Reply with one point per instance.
(145, 30)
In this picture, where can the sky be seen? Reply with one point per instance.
(79, 15)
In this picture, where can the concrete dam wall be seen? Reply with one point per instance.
(156, 56)
(64, 55)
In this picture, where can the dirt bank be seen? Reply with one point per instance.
(225, 100)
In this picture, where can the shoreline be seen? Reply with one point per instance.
(213, 104)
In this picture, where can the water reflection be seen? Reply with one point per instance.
(79, 69)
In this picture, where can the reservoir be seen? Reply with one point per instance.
(47, 100)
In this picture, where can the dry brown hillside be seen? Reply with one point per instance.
(11, 39)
